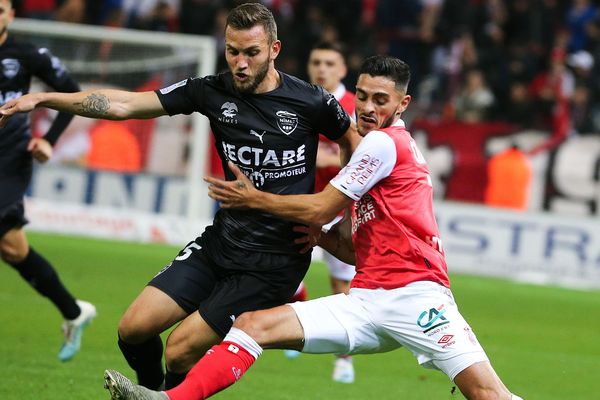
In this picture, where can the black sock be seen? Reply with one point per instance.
(172, 379)
(36, 270)
(146, 360)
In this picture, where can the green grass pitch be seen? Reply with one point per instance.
(543, 341)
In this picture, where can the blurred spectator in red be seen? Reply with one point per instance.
(552, 88)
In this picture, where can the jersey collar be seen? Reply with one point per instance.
(399, 123)
(339, 92)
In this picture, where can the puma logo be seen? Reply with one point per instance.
(258, 135)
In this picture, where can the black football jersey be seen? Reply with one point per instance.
(18, 63)
(272, 137)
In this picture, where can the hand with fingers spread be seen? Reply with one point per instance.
(23, 104)
(310, 239)
(233, 194)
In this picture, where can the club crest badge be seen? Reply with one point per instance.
(287, 121)
(10, 67)
(230, 109)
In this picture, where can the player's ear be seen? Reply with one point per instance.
(275, 49)
(404, 103)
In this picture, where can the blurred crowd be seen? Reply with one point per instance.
(531, 63)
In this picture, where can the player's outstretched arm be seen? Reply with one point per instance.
(314, 209)
(101, 103)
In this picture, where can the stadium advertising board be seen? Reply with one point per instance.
(532, 247)
(141, 192)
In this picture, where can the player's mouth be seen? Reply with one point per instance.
(241, 77)
(368, 120)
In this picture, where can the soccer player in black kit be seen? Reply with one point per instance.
(267, 123)
(18, 63)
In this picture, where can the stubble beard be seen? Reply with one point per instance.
(388, 122)
(250, 87)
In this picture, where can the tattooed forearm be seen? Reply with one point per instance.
(95, 105)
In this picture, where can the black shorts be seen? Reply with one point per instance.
(198, 282)
(12, 217)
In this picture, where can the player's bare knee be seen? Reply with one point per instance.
(251, 323)
(132, 331)
(243, 320)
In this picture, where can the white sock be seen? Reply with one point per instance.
(240, 337)
(515, 397)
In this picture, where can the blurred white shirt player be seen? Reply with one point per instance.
(326, 68)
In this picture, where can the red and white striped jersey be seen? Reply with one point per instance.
(394, 232)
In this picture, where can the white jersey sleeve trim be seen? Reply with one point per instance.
(372, 161)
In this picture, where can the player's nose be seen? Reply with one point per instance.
(241, 62)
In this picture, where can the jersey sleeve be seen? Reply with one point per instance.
(372, 161)
(333, 121)
(183, 97)
(51, 71)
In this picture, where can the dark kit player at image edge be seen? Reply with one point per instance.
(19, 62)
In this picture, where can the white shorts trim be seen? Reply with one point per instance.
(422, 317)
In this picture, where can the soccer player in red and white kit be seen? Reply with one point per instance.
(326, 68)
(400, 296)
